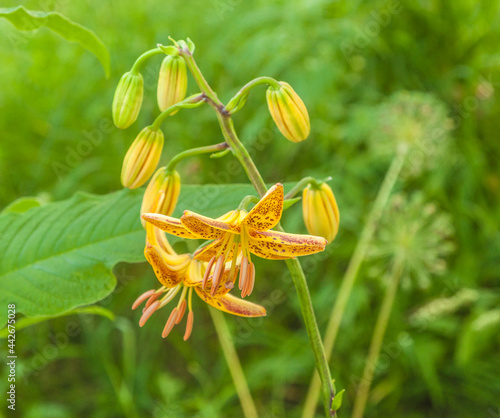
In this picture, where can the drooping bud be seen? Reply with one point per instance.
(172, 82)
(320, 211)
(127, 100)
(168, 182)
(289, 112)
(142, 157)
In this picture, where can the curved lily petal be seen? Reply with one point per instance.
(212, 249)
(170, 225)
(272, 244)
(267, 213)
(231, 304)
(204, 226)
(166, 276)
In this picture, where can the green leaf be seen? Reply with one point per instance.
(28, 20)
(337, 401)
(22, 205)
(56, 257)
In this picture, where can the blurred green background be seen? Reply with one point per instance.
(344, 58)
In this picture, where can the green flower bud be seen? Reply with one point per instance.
(142, 158)
(127, 100)
(172, 82)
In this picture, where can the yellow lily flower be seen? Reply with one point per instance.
(183, 273)
(238, 233)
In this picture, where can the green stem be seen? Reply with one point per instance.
(350, 275)
(194, 152)
(294, 266)
(246, 201)
(139, 62)
(190, 102)
(234, 104)
(234, 364)
(302, 184)
(376, 342)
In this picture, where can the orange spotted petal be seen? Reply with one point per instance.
(231, 304)
(167, 276)
(212, 249)
(170, 225)
(206, 227)
(276, 245)
(267, 213)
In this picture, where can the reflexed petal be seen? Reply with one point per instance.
(222, 289)
(166, 276)
(170, 225)
(267, 213)
(273, 244)
(231, 304)
(211, 250)
(204, 226)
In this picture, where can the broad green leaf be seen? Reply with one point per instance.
(57, 257)
(28, 20)
(22, 205)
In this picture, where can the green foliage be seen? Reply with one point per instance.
(28, 20)
(59, 256)
(56, 109)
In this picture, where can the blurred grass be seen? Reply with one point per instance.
(54, 96)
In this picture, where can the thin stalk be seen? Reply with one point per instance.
(139, 62)
(302, 184)
(194, 152)
(347, 282)
(294, 266)
(192, 101)
(234, 364)
(376, 342)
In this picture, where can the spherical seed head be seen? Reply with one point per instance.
(414, 232)
(172, 82)
(320, 211)
(166, 182)
(288, 112)
(416, 123)
(127, 100)
(142, 158)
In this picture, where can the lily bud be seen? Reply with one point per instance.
(127, 100)
(166, 182)
(142, 157)
(289, 112)
(172, 82)
(320, 211)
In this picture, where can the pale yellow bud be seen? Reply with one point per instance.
(168, 183)
(172, 82)
(127, 100)
(320, 211)
(289, 112)
(142, 158)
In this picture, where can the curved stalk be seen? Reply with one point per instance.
(299, 279)
(139, 62)
(347, 282)
(191, 102)
(234, 364)
(194, 152)
(376, 342)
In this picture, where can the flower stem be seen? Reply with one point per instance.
(299, 279)
(347, 282)
(234, 364)
(194, 152)
(190, 102)
(376, 342)
(139, 62)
